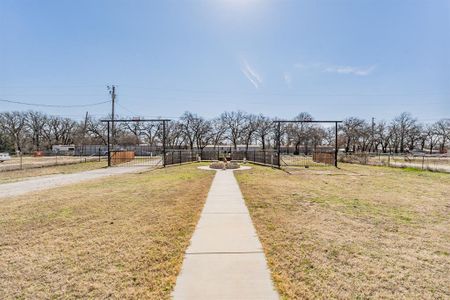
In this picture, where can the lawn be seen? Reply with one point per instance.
(11, 176)
(119, 237)
(359, 232)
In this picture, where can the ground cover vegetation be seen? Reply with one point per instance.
(121, 237)
(356, 232)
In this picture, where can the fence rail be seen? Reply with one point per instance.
(429, 162)
(24, 162)
(266, 157)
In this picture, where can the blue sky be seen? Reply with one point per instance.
(333, 59)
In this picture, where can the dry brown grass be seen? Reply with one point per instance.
(359, 232)
(120, 237)
(11, 176)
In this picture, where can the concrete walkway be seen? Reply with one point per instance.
(225, 259)
(46, 182)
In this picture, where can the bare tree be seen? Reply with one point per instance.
(196, 129)
(174, 135)
(35, 121)
(151, 130)
(443, 130)
(248, 129)
(382, 136)
(352, 129)
(431, 136)
(264, 127)
(402, 126)
(218, 130)
(301, 131)
(35, 130)
(13, 123)
(235, 121)
(97, 131)
(135, 128)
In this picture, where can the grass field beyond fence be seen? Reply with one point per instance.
(119, 237)
(358, 232)
(17, 175)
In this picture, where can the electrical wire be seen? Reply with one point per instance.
(53, 105)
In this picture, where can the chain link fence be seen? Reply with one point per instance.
(431, 162)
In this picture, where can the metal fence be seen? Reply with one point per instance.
(301, 160)
(30, 161)
(431, 162)
(327, 158)
(173, 157)
(265, 157)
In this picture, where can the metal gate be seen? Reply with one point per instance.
(136, 156)
(315, 159)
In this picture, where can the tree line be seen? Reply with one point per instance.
(32, 130)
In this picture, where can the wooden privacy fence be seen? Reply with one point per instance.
(323, 157)
(120, 157)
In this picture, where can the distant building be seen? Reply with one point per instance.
(231, 148)
(63, 148)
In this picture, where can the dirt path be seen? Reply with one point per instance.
(51, 181)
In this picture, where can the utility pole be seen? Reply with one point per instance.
(112, 92)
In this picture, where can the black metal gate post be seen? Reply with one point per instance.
(336, 145)
(109, 147)
(279, 144)
(164, 144)
(307, 121)
(108, 122)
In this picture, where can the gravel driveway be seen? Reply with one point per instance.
(51, 181)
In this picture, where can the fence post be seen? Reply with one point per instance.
(109, 147)
(179, 154)
(21, 165)
(423, 160)
(336, 145)
(279, 144)
(164, 144)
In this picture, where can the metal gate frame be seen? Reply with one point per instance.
(278, 136)
(112, 121)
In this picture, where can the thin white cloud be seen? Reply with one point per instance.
(339, 69)
(350, 70)
(251, 74)
(287, 78)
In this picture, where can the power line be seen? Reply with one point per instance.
(53, 105)
(124, 108)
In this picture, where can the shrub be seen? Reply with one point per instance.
(221, 165)
(233, 165)
(217, 165)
